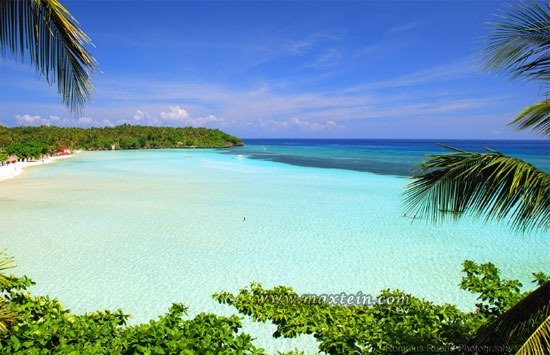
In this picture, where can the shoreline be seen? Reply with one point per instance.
(13, 170)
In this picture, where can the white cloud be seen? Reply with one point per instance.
(107, 123)
(29, 120)
(140, 115)
(267, 106)
(313, 125)
(175, 113)
(305, 125)
(174, 116)
(201, 121)
(53, 120)
(85, 120)
(181, 116)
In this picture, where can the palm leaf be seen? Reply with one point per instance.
(6, 263)
(7, 316)
(484, 184)
(518, 323)
(538, 342)
(536, 117)
(47, 33)
(519, 42)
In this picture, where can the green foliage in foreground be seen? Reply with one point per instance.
(406, 325)
(121, 137)
(44, 326)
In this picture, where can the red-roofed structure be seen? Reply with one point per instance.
(63, 151)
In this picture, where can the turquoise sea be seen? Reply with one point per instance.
(139, 230)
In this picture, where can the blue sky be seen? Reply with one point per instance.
(361, 69)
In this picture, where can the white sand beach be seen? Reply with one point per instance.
(10, 171)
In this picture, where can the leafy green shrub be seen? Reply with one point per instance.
(44, 326)
(408, 324)
(413, 326)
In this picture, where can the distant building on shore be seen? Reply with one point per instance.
(63, 151)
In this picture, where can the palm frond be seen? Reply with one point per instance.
(7, 316)
(519, 42)
(536, 117)
(6, 262)
(518, 323)
(538, 342)
(484, 184)
(47, 33)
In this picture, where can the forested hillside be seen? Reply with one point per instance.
(32, 141)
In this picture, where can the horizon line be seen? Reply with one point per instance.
(417, 139)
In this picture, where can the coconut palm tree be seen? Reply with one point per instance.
(496, 186)
(46, 33)
(519, 46)
(526, 320)
(492, 184)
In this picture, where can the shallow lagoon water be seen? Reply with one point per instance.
(139, 230)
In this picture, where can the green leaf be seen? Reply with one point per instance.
(48, 34)
(519, 41)
(491, 185)
(536, 117)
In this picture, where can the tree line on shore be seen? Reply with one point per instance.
(34, 142)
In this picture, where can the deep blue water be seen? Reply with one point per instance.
(382, 156)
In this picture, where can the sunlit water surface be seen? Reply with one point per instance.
(139, 230)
